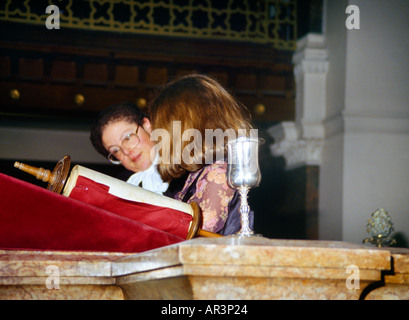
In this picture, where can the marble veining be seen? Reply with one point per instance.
(206, 268)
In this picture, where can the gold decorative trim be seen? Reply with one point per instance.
(269, 21)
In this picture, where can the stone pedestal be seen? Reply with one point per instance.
(219, 268)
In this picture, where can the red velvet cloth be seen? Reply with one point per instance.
(162, 218)
(34, 218)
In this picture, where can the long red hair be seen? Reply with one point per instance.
(198, 102)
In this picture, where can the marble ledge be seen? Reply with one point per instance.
(65, 292)
(203, 268)
(258, 252)
(24, 264)
(396, 281)
(400, 267)
(257, 256)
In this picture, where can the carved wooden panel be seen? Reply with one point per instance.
(48, 73)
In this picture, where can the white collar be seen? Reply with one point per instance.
(150, 178)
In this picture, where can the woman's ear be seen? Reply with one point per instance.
(147, 125)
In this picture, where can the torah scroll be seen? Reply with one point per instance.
(133, 202)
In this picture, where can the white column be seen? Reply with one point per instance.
(301, 141)
(352, 102)
(376, 117)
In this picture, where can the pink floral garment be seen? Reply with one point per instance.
(212, 194)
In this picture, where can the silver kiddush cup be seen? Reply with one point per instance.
(243, 173)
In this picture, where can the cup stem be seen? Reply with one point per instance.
(245, 230)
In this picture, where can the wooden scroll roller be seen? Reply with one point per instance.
(55, 179)
(58, 182)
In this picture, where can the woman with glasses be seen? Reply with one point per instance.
(199, 103)
(121, 133)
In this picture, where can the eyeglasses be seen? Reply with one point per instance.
(117, 153)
